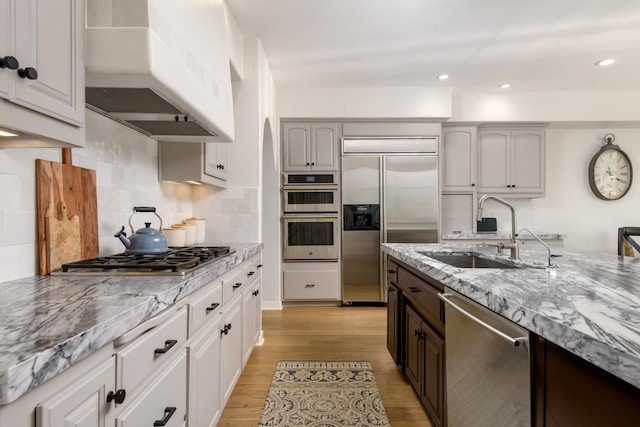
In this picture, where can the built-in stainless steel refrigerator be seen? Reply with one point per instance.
(389, 194)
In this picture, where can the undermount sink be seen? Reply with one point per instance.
(468, 260)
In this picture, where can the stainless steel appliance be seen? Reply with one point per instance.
(310, 199)
(488, 370)
(311, 237)
(400, 177)
(177, 261)
(325, 179)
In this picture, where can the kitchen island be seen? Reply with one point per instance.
(51, 323)
(588, 306)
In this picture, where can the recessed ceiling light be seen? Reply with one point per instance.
(5, 133)
(443, 76)
(504, 85)
(605, 62)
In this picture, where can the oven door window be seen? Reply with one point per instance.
(310, 233)
(310, 197)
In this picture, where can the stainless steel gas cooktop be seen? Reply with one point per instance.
(177, 261)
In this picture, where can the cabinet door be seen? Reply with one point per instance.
(459, 157)
(527, 161)
(493, 160)
(7, 46)
(83, 403)
(215, 160)
(392, 321)
(324, 147)
(296, 147)
(413, 349)
(231, 347)
(164, 400)
(50, 39)
(434, 385)
(204, 375)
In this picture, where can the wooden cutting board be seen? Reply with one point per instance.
(76, 187)
(63, 239)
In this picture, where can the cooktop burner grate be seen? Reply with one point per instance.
(176, 261)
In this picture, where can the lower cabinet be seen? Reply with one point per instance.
(415, 336)
(204, 352)
(231, 347)
(424, 364)
(164, 401)
(83, 403)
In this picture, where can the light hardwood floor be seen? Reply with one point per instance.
(323, 333)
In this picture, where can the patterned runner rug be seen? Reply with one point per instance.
(323, 394)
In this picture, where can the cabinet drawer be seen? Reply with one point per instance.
(424, 297)
(251, 270)
(136, 361)
(233, 281)
(204, 306)
(165, 399)
(311, 285)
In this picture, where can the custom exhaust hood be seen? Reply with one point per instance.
(161, 67)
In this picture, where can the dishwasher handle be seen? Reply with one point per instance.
(516, 342)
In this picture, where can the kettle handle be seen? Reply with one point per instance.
(144, 209)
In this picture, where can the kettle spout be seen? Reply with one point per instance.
(123, 237)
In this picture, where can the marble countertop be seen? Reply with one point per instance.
(48, 323)
(589, 305)
(501, 235)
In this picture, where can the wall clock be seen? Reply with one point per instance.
(610, 171)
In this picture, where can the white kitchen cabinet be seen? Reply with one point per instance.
(44, 96)
(511, 161)
(193, 162)
(163, 401)
(311, 281)
(215, 160)
(82, 403)
(231, 346)
(310, 147)
(204, 350)
(459, 158)
(252, 308)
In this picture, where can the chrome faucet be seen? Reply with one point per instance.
(513, 243)
(552, 262)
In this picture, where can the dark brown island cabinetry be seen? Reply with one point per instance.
(566, 390)
(415, 335)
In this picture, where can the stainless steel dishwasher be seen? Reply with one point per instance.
(487, 366)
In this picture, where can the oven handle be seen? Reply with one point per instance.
(310, 187)
(310, 215)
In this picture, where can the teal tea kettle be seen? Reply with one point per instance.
(144, 241)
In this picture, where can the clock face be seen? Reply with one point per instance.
(610, 173)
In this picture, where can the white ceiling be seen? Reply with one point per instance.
(532, 44)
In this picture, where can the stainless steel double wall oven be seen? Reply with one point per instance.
(311, 223)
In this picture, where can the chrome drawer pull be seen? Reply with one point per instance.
(167, 346)
(168, 412)
(514, 341)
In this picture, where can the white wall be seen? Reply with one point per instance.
(570, 207)
(126, 174)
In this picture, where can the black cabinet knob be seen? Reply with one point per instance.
(473, 185)
(308, 163)
(118, 396)
(28, 73)
(9, 62)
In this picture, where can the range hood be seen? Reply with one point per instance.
(161, 67)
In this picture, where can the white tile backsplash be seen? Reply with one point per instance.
(126, 165)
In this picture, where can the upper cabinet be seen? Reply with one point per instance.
(511, 161)
(42, 74)
(310, 147)
(191, 163)
(459, 158)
